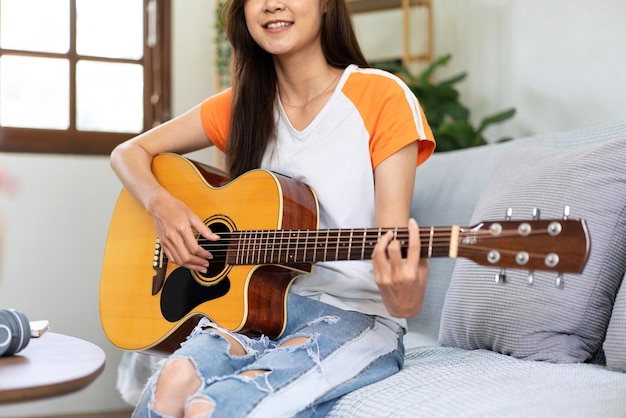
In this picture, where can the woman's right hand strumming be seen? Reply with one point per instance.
(178, 229)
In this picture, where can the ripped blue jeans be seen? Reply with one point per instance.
(343, 351)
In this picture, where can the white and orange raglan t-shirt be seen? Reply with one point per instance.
(371, 115)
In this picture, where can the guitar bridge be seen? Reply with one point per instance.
(159, 264)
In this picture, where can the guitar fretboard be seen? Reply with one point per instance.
(310, 246)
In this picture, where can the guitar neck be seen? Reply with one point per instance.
(311, 246)
(544, 245)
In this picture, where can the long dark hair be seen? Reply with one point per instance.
(254, 80)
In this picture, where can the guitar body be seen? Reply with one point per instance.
(153, 309)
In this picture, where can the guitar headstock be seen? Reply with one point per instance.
(557, 245)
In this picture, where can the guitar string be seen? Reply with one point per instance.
(287, 242)
(281, 239)
(310, 236)
(273, 259)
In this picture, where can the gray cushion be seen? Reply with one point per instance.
(615, 342)
(450, 382)
(542, 322)
(447, 187)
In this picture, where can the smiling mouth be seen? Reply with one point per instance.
(277, 25)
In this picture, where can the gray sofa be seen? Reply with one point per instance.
(482, 349)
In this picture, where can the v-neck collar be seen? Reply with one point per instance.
(320, 115)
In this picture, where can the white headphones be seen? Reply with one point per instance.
(14, 331)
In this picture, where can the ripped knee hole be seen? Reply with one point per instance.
(294, 342)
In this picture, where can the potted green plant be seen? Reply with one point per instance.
(447, 116)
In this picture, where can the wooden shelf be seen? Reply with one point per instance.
(361, 6)
(364, 6)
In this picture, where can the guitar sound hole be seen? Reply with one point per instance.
(217, 266)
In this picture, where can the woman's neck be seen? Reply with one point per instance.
(302, 85)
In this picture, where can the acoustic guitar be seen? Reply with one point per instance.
(268, 227)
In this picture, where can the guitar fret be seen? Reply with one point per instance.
(247, 247)
(272, 256)
(239, 250)
(350, 244)
(242, 246)
(284, 247)
(326, 246)
(306, 242)
(430, 241)
(257, 246)
(251, 248)
(250, 252)
(298, 237)
(363, 244)
(291, 252)
(265, 245)
(250, 258)
(289, 256)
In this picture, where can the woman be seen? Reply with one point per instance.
(300, 105)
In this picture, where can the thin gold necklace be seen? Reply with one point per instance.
(312, 99)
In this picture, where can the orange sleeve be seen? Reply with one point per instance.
(215, 116)
(392, 116)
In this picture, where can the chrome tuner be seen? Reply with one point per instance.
(560, 282)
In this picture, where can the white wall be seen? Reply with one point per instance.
(56, 225)
(559, 62)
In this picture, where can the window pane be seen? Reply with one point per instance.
(109, 97)
(34, 93)
(35, 25)
(112, 28)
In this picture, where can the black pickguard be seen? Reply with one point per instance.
(181, 293)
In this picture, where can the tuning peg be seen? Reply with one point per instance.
(500, 278)
(566, 210)
(560, 282)
(536, 214)
(531, 274)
